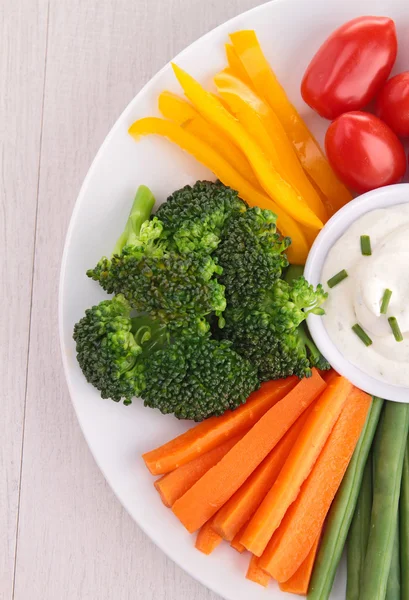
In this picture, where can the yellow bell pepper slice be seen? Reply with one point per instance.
(310, 154)
(297, 252)
(258, 118)
(236, 65)
(276, 187)
(181, 112)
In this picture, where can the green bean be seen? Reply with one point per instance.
(404, 526)
(393, 586)
(389, 452)
(359, 534)
(341, 512)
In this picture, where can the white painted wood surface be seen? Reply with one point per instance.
(67, 69)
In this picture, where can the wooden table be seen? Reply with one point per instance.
(67, 69)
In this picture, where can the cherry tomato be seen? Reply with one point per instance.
(350, 67)
(392, 104)
(364, 151)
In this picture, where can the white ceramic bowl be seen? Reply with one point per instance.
(387, 196)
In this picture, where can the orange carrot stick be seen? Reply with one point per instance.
(293, 540)
(300, 581)
(242, 505)
(174, 484)
(216, 430)
(256, 574)
(236, 543)
(216, 486)
(297, 467)
(207, 539)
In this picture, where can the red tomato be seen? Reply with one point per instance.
(350, 67)
(364, 151)
(392, 104)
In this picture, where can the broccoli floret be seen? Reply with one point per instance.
(194, 216)
(155, 277)
(251, 254)
(268, 333)
(177, 371)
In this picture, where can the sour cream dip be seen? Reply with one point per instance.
(358, 298)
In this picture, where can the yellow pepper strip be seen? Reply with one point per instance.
(236, 65)
(297, 252)
(181, 112)
(275, 186)
(310, 154)
(259, 119)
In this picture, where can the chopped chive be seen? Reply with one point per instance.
(366, 245)
(393, 322)
(336, 279)
(364, 337)
(385, 301)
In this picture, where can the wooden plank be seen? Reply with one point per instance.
(75, 540)
(23, 31)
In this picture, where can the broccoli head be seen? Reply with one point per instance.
(177, 371)
(251, 254)
(193, 217)
(156, 278)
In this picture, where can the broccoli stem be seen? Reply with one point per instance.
(293, 272)
(140, 212)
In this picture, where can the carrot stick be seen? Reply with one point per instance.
(174, 484)
(293, 540)
(256, 574)
(242, 505)
(216, 486)
(236, 543)
(300, 581)
(216, 430)
(207, 539)
(297, 467)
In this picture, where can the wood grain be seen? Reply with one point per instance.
(74, 539)
(23, 32)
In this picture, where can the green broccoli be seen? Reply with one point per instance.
(251, 254)
(268, 332)
(177, 371)
(155, 277)
(194, 216)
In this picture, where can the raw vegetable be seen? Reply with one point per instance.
(254, 573)
(268, 87)
(364, 151)
(205, 154)
(303, 521)
(185, 373)
(181, 112)
(299, 583)
(404, 526)
(236, 543)
(394, 579)
(234, 515)
(213, 490)
(389, 451)
(281, 192)
(173, 485)
(257, 116)
(207, 539)
(217, 430)
(392, 104)
(359, 534)
(297, 467)
(342, 510)
(351, 66)
(236, 66)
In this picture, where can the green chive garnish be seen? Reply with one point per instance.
(395, 329)
(337, 278)
(364, 337)
(366, 245)
(385, 301)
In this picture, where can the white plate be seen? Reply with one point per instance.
(290, 31)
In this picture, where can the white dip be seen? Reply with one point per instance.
(357, 299)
